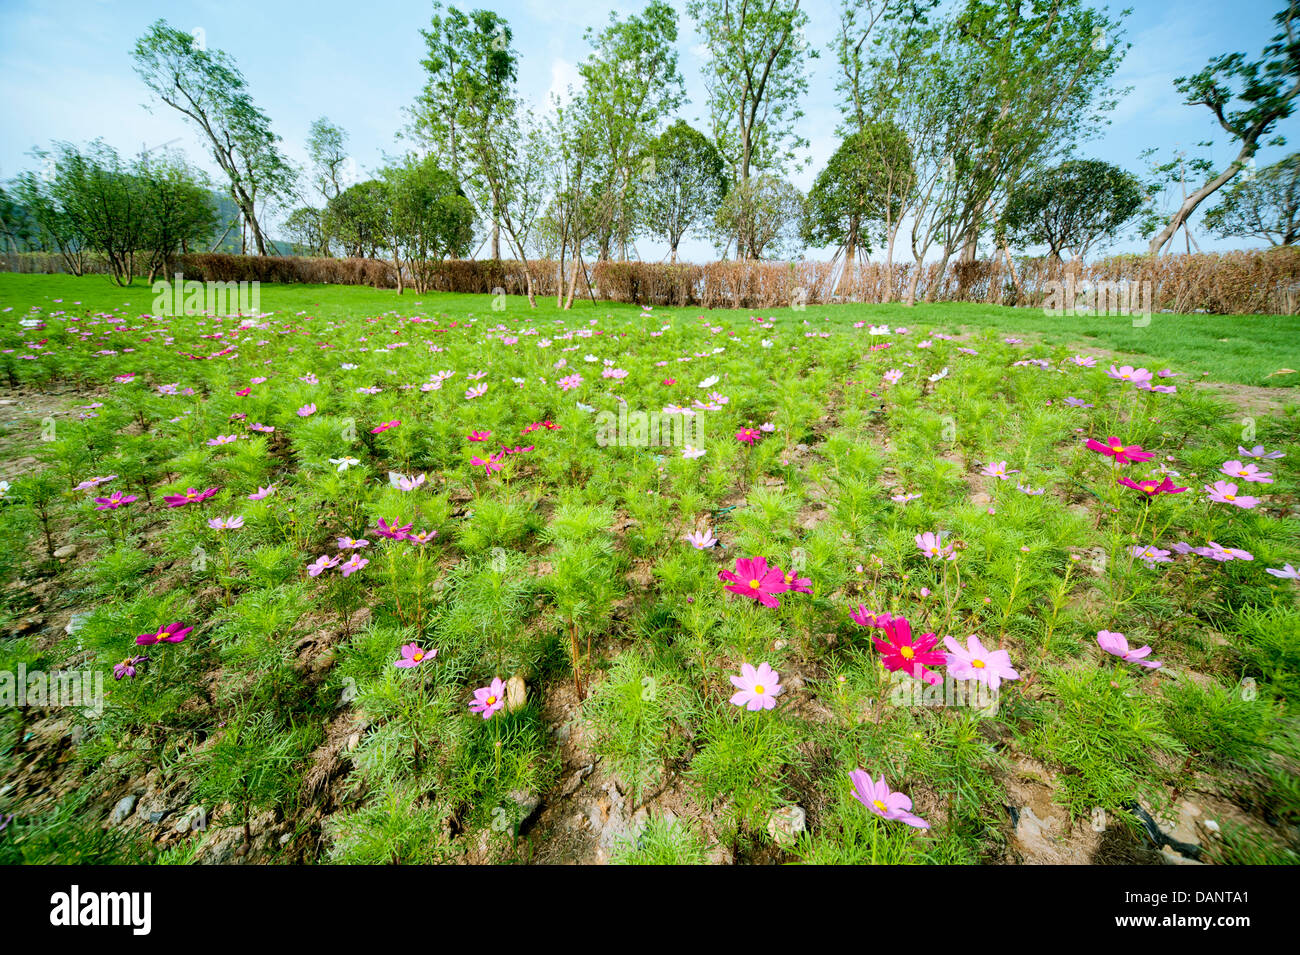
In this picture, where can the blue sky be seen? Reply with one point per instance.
(67, 73)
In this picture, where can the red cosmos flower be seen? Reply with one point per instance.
(244, 393)
(900, 652)
(172, 633)
(1123, 454)
(1153, 488)
(754, 579)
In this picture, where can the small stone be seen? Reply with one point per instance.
(516, 693)
(285, 839)
(66, 551)
(786, 825)
(192, 820)
(122, 811)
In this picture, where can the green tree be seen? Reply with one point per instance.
(631, 85)
(1264, 206)
(861, 186)
(687, 184)
(1072, 206)
(428, 218)
(767, 210)
(356, 218)
(756, 84)
(104, 200)
(1265, 90)
(207, 88)
(178, 208)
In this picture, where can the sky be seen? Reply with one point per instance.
(66, 74)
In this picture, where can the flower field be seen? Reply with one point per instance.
(372, 579)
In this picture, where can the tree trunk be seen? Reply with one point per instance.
(932, 293)
(1189, 205)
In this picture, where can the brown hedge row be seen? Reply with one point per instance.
(1219, 282)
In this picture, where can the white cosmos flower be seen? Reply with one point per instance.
(344, 463)
(708, 382)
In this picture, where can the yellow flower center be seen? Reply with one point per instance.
(758, 689)
(1230, 497)
(491, 701)
(418, 656)
(977, 664)
(907, 653)
(880, 805)
(754, 584)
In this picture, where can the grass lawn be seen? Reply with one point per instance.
(372, 579)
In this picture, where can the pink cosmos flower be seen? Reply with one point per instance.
(127, 667)
(701, 540)
(479, 435)
(387, 425)
(1130, 374)
(114, 501)
(975, 662)
(754, 579)
(932, 546)
(747, 436)
(226, 523)
(756, 689)
(799, 585)
(321, 564)
(1123, 454)
(351, 543)
(421, 537)
(489, 699)
(1117, 644)
(864, 619)
(1286, 572)
(190, 496)
(1151, 554)
(353, 564)
(1217, 552)
(222, 439)
(1247, 472)
(1225, 492)
(569, 381)
(997, 470)
(1258, 452)
(306, 411)
(172, 633)
(877, 797)
(87, 484)
(493, 463)
(413, 656)
(262, 493)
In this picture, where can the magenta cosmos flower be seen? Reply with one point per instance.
(877, 797)
(488, 699)
(753, 578)
(1153, 488)
(756, 689)
(413, 656)
(114, 501)
(393, 531)
(172, 633)
(386, 426)
(1122, 453)
(479, 435)
(1117, 644)
(900, 652)
(321, 564)
(747, 435)
(975, 662)
(1225, 492)
(190, 496)
(127, 667)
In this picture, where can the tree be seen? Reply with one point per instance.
(356, 218)
(631, 84)
(178, 208)
(1265, 206)
(756, 84)
(104, 201)
(327, 147)
(1072, 206)
(428, 218)
(686, 185)
(1266, 89)
(53, 227)
(765, 212)
(207, 88)
(467, 97)
(860, 186)
(305, 227)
